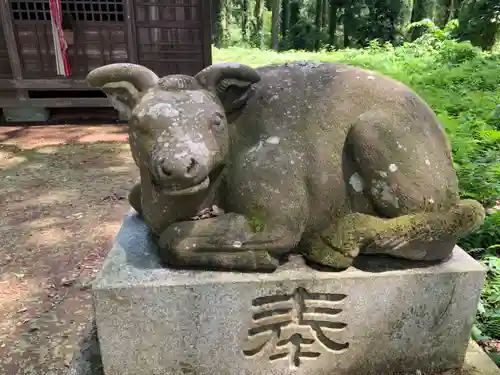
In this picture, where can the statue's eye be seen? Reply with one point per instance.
(143, 129)
(146, 130)
(218, 121)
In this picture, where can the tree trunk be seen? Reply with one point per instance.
(220, 23)
(477, 23)
(227, 20)
(214, 4)
(275, 27)
(332, 25)
(244, 19)
(403, 14)
(218, 30)
(294, 39)
(348, 22)
(447, 10)
(285, 20)
(422, 9)
(317, 24)
(324, 13)
(454, 9)
(258, 24)
(442, 12)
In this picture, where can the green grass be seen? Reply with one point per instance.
(462, 84)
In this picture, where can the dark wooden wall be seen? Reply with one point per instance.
(173, 36)
(168, 36)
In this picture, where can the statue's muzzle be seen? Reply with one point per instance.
(180, 169)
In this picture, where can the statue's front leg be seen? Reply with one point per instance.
(267, 205)
(134, 198)
(227, 242)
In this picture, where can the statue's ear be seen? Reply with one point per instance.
(123, 84)
(123, 96)
(230, 82)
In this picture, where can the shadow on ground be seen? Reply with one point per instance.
(63, 195)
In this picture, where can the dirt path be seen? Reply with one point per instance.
(63, 194)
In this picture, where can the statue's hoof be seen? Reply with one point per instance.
(331, 258)
(265, 262)
(245, 261)
(471, 215)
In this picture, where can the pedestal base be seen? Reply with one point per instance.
(380, 317)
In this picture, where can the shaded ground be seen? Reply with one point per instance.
(63, 193)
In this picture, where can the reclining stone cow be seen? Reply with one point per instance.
(325, 159)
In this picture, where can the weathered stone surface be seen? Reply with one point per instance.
(87, 359)
(477, 362)
(371, 318)
(323, 158)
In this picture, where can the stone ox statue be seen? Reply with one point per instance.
(323, 159)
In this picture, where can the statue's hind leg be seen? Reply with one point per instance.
(405, 170)
(427, 236)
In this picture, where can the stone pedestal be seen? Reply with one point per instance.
(378, 317)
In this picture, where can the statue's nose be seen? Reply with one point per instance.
(185, 168)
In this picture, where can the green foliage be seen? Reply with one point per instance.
(479, 22)
(462, 84)
(488, 316)
(318, 24)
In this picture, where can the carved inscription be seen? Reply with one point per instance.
(297, 326)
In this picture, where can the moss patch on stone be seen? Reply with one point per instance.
(257, 219)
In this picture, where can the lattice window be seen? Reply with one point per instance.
(167, 10)
(79, 10)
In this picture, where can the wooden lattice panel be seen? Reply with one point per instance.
(170, 35)
(98, 28)
(79, 10)
(94, 46)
